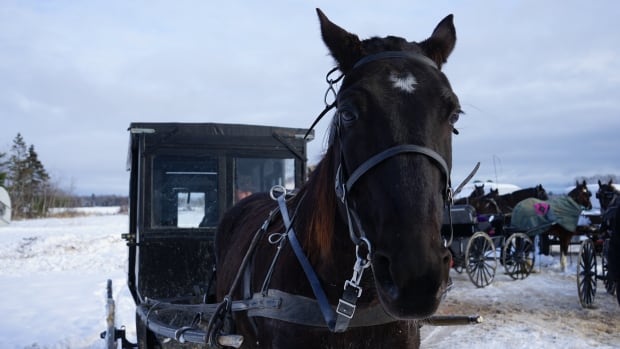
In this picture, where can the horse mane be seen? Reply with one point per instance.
(317, 212)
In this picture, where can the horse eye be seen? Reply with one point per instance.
(347, 115)
(454, 118)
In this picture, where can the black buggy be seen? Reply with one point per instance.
(183, 177)
(480, 241)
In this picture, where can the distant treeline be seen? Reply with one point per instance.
(99, 200)
(603, 178)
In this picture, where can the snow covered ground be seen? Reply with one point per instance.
(53, 274)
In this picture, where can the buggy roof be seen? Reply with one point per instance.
(230, 136)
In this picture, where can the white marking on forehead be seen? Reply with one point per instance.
(404, 82)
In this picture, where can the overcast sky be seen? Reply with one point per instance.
(539, 80)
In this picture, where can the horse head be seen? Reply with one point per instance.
(391, 152)
(477, 192)
(541, 193)
(606, 193)
(581, 194)
(488, 203)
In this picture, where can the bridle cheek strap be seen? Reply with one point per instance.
(342, 187)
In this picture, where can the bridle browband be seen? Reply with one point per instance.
(398, 55)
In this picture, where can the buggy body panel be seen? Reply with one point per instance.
(183, 177)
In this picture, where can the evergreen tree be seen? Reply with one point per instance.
(3, 169)
(16, 176)
(27, 181)
(39, 184)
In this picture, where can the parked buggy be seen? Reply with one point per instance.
(479, 242)
(590, 251)
(603, 242)
(182, 178)
(472, 250)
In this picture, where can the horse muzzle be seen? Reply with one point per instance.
(411, 289)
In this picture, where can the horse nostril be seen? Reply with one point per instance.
(447, 258)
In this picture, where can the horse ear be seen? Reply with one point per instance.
(345, 47)
(441, 43)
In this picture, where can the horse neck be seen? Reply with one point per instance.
(614, 201)
(319, 223)
(522, 194)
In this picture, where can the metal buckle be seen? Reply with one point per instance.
(345, 309)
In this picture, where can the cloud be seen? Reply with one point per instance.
(537, 79)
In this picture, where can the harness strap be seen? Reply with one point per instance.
(320, 295)
(305, 311)
(278, 305)
(337, 321)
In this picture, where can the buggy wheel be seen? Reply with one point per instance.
(518, 256)
(610, 285)
(586, 274)
(481, 259)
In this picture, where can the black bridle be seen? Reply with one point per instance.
(345, 180)
(344, 183)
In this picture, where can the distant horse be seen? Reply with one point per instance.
(493, 202)
(507, 202)
(606, 194)
(558, 216)
(389, 159)
(476, 193)
(609, 199)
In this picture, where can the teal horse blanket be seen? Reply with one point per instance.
(536, 216)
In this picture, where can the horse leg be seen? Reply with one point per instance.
(565, 237)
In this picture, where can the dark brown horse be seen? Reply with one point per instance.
(507, 202)
(558, 216)
(475, 194)
(606, 193)
(389, 158)
(492, 202)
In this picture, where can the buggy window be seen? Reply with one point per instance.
(184, 192)
(254, 175)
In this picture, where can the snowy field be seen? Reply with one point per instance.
(53, 274)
